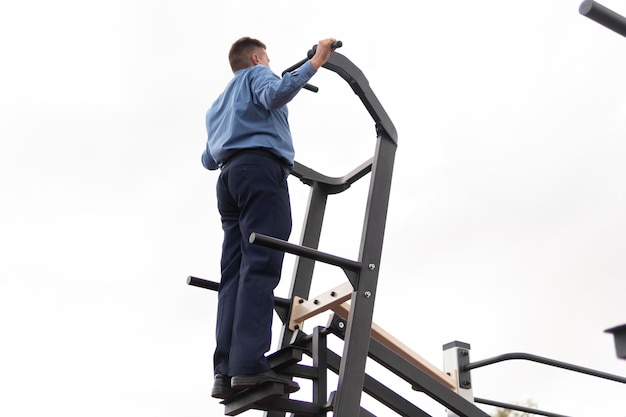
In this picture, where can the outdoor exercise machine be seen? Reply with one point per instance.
(351, 304)
(351, 321)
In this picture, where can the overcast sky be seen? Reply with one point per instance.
(506, 225)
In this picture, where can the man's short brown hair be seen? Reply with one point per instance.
(240, 51)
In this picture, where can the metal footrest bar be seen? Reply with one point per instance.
(251, 398)
(285, 358)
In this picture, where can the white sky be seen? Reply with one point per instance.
(506, 225)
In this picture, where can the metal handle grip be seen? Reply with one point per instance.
(335, 45)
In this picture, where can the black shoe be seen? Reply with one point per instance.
(248, 381)
(221, 387)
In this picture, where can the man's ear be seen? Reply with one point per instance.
(254, 58)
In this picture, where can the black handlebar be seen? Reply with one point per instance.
(335, 45)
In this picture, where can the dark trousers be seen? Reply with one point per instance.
(252, 196)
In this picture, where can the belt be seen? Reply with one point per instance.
(258, 151)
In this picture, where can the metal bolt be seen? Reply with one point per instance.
(341, 325)
(333, 293)
(371, 267)
(316, 302)
(367, 294)
(300, 301)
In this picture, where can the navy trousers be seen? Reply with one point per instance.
(252, 196)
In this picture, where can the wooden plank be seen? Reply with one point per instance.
(335, 300)
(400, 349)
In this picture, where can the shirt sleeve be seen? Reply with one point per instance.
(273, 92)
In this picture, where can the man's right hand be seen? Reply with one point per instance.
(322, 53)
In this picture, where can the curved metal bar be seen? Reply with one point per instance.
(545, 361)
(359, 84)
(332, 185)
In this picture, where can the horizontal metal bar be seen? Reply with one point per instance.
(604, 16)
(214, 286)
(279, 244)
(203, 283)
(545, 361)
(517, 408)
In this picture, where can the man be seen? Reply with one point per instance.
(250, 141)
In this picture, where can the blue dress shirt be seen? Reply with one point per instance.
(252, 113)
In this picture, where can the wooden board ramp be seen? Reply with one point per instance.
(335, 300)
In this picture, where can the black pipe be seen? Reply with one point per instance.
(603, 15)
(517, 407)
(274, 243)
(202, 283)
(335, 45)
(214, 286)
(307, 86)
(545, 361)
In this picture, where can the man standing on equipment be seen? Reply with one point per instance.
(250, 141)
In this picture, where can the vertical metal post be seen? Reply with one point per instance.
(304, 267)
(320, 363)
(357, 339)
(455, 357)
